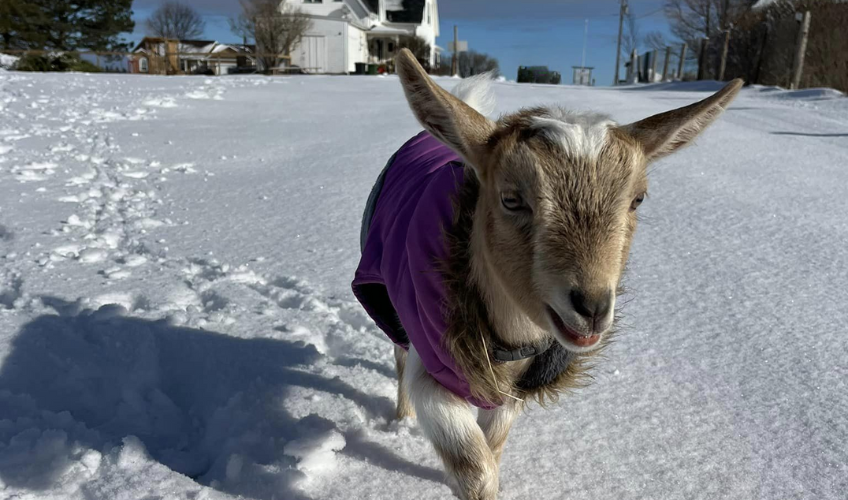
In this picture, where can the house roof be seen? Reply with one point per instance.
(195, 49)
(359, 8)
(405, 11)
(399, 11)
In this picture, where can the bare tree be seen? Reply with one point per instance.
(630, 37)
(472, 63)
(692, 20)
(419, 48)
(276, 27)
(655, 40)
(176, 21)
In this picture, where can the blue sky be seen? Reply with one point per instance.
(516, 32)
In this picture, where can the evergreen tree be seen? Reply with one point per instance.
(65, 25)
(19, 25)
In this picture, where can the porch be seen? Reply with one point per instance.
(383, 43)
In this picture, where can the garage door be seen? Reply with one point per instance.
(313, 54)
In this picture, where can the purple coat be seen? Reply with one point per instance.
(398, 277)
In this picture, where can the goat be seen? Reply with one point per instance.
(493, 252)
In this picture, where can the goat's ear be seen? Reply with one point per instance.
(665, 133)
(447, 118)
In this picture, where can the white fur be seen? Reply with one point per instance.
(496, 424)
(449, 423)
(477, 92)
(581, 134)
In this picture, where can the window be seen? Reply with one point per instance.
(391, 46)
(142, 65)
(313, 1)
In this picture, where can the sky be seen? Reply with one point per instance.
(516, 32)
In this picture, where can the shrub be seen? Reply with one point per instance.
(58, 62)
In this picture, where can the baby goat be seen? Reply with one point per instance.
(493, 252)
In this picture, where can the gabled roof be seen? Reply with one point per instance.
(193, 49)
(359, 8)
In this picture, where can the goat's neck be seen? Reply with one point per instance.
(511, 325)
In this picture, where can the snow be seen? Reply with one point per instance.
(7, 61)
(176, 320)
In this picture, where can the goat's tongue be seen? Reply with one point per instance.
(582, 341)
(579, 340)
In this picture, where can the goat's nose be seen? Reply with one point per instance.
(593, 307)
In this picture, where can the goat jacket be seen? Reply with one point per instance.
(399, 280)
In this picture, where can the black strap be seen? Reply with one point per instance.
(504, 356)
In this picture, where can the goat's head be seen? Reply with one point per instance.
(558, 196)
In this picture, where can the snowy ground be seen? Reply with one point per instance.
(176, 321)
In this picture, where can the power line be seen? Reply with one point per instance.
(649, 14)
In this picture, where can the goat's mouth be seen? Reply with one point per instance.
(571, 336)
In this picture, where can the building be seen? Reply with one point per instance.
(582, 75)
(159, 56)
(346, 32)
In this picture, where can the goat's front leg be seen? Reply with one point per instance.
(496, 424)
(449, 423)
(404, 406)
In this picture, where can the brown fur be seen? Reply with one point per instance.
(467, 312)
(468, 321)
(579, 179)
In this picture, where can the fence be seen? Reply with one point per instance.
(797, 45)
(765, 46)
(659, 65)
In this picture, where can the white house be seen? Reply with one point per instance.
(346, 32)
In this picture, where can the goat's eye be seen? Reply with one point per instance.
(637, 201)
(512, 202)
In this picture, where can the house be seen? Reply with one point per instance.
(159, 56)
(346, 32)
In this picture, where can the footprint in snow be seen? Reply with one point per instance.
(34, 172)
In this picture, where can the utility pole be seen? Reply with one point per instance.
(455, 62)
(634, 68)
(665, 63)
(655, 55)
(621, 13)
(726, 25)
(682, 62)
(702, 59)
(800, 51)
(585, 35)
(723, 64)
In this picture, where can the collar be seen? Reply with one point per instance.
(503, 355)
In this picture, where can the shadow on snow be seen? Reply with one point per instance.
(194, 398)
